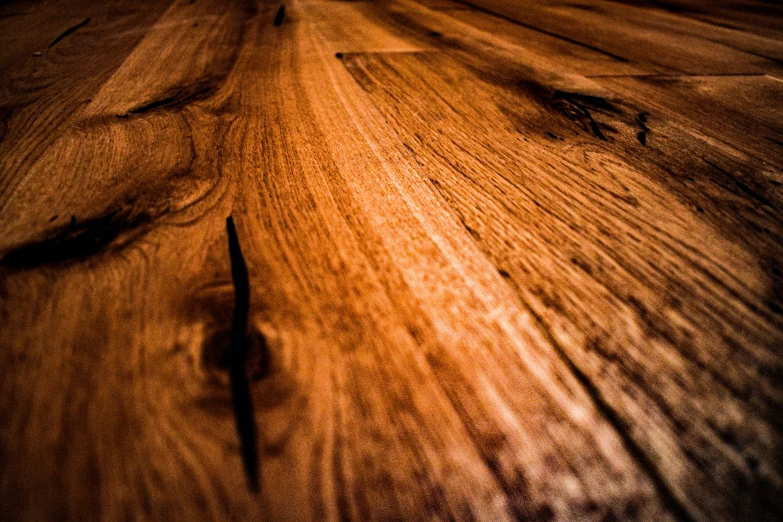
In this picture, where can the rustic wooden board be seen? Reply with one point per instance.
(604, 260)
(637, 36)
(496, 271)
(759, 17)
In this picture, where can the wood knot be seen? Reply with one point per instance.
(216, 356)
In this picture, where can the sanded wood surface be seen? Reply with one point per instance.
(486, 260)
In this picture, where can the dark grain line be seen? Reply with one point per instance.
(770, 58)
(621, 427)
(179, 96)
(542, 31)
(240, 389)
(674, 76)
(154, 104)
(279, 16)
(744, 188)
(69, 32)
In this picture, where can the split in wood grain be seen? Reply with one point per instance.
(240, 388)
(658, 478)
(69, 32)
(180, 96)
(742, 186)
(75, 241)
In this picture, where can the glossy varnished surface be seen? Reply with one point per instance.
(505, 260)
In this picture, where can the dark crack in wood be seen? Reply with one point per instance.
(238, 350)
(279, 16)
(69, 32)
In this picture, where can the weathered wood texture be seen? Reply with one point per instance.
(507, 260)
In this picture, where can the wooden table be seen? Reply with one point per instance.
(498, 260)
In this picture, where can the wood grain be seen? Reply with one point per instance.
(504, 262)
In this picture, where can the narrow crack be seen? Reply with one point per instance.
(69, 32)
(240, 389)
(279, 16)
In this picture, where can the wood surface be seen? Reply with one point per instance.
(486, 260)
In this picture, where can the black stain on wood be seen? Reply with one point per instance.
(595, 102)
(5, 116)
(641, 119)
(69, 32)
(279, 16)
(238, 351)
(339, 56)
(75, 241)
(583, 7)
(435, 34)
(584, 103)
(217, 350)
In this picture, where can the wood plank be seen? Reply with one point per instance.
(580, 262)
(677, 19)
(497, 270)
(520, 46)
(630, 38)
(396, 272)
(355, 26)
(47, 49)
(751, 16)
